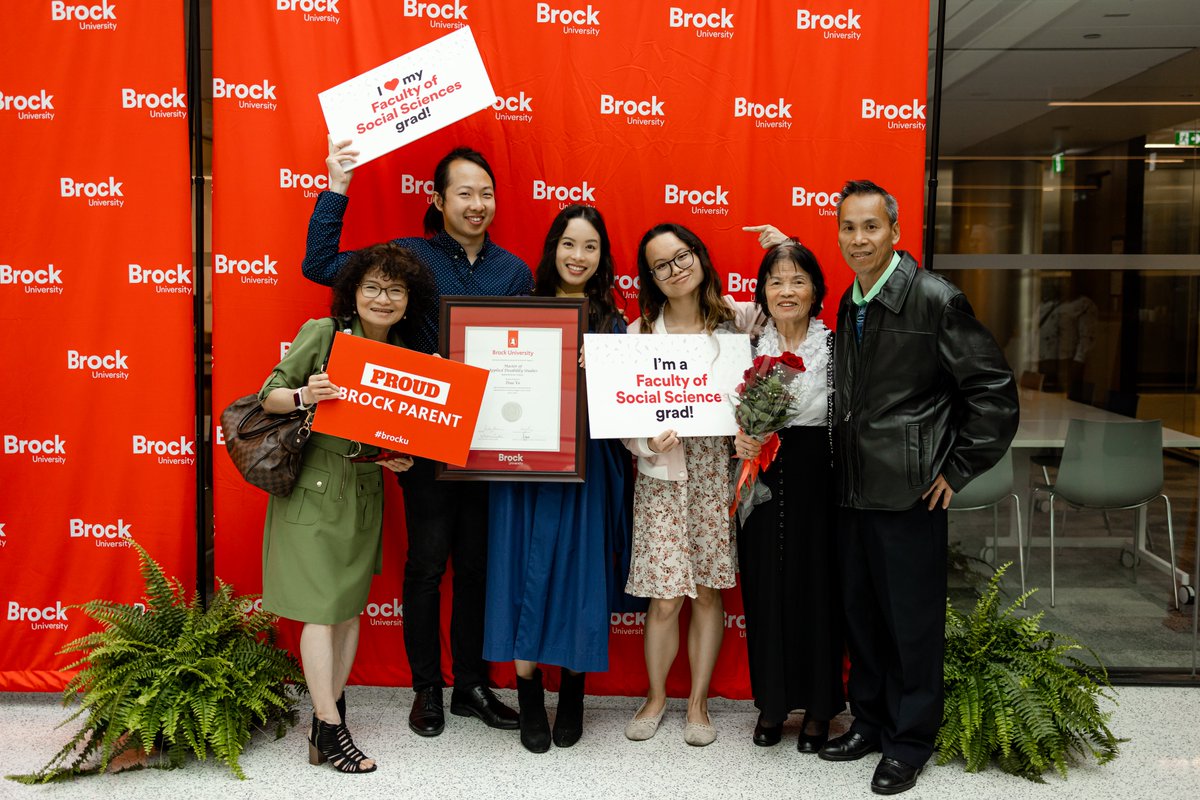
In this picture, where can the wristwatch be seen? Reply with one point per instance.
(298, 399)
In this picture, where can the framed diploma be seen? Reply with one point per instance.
(533, 420)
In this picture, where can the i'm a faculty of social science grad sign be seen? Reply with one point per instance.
(641, 385)
(409, 97)
(401, 400)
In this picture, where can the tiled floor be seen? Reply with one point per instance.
(1160, 760)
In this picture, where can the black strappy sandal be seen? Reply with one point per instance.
(333, 743)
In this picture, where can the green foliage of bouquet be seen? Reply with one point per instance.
(1017, 693)
(174, 675)
(764, 403)
(765, 397)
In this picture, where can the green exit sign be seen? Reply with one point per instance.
(1058, 163)
(1187, 138)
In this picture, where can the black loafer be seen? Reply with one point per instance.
(478, 701)
(894, 777)
(847, 747)
(812, 742)
(767, 735)
(427, 717)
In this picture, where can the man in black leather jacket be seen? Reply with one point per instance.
(924, 401)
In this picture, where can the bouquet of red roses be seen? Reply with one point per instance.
(764, 403)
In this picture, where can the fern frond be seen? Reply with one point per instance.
(178, 675)
(1018, 695)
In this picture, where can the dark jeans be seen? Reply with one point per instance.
(893, 567)
(446, 520)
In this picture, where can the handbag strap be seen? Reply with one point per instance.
(306, 428)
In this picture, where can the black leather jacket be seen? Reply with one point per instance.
(927, 391)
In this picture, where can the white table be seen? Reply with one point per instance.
(1044, 421)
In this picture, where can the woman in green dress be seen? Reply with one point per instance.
(323, 542)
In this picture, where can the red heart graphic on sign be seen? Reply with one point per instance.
(392, 84)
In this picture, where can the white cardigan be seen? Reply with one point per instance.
(671, 466)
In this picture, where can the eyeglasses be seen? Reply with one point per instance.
(371, 291)
(682, 262)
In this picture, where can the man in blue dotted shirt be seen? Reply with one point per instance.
(444, 520)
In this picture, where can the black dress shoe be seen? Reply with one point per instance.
(847, 747)
(894, 777)
(427, 717)
(812, 742)
(767, 735)
(478, 701)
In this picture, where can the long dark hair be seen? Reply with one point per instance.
(434, 221)
(651, 299)
(395, 263)
(602, 309)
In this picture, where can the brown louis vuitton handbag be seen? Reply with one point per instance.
(267, 448)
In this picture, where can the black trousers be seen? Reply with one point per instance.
(893, 567)
(446, 521)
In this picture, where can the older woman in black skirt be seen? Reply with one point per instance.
(786, 550)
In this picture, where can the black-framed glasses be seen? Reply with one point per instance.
(371, 291)
(682, 262)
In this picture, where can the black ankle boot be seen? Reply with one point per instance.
(535, 725)
(568, 722)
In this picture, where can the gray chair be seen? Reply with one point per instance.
(1110, 466)
(988, 490)
(1195, 606)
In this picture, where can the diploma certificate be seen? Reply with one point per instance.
(532, 423)
(520, 408)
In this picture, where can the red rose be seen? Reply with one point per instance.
(741, 387)
(792, 360)
(763, 365)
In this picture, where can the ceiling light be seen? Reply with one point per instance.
(1119, 103)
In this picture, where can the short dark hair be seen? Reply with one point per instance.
(434, 221)
(870, 187)
(395, 263)
(602, 308)
(651, 299)
(791, 250)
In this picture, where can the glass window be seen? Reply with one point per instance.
(1068, 210)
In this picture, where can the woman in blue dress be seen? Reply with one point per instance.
(550, 568)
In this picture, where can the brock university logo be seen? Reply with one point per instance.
(101, 16)
(907, 116)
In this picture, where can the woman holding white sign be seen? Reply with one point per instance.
(549, 544)
(683, 541)
(323, 542)
(786, 546)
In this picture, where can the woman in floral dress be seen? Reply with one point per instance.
(683, 543)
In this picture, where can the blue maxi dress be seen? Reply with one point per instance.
(558, 555)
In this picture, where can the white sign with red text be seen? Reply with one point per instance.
(644, 384)
(409, 97)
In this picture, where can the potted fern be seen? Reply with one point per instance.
(1018, 694)
(173, 675)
